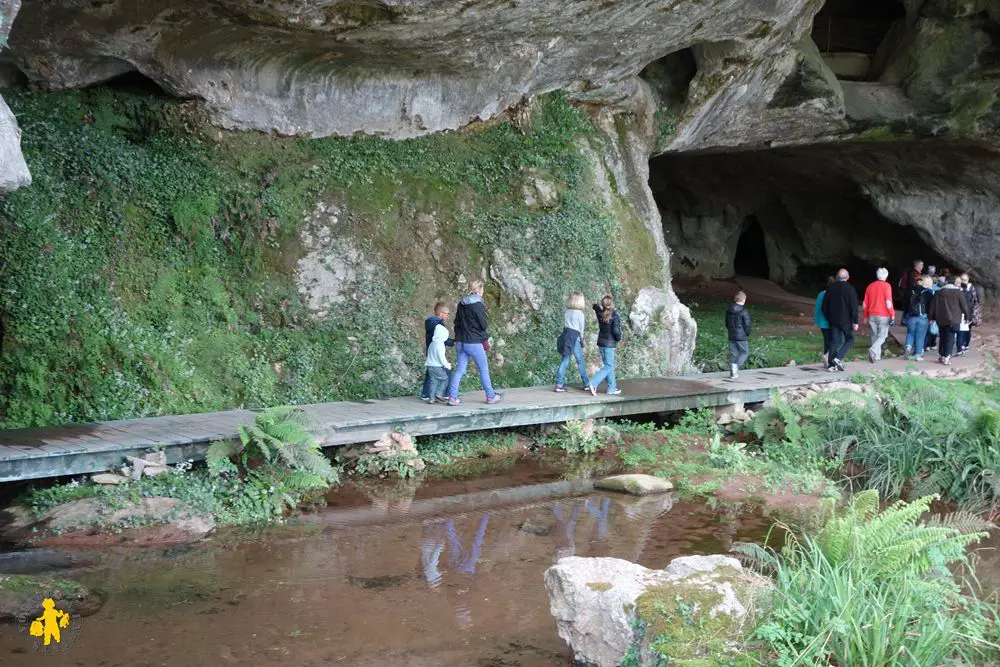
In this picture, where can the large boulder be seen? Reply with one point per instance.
(607, 608)
(668, 328)
(21, 597)
(89, 522)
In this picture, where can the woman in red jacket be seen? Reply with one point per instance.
(878, 312)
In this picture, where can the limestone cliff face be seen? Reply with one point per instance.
(398, 68)
(13, 171)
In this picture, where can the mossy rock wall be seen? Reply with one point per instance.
(159, 266)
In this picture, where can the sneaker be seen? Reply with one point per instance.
(832, 369)
(826, 358)
(442, 399)
(454, 401)
(839, 365)
(593, 390)
(560, 388)
(908, 351)
(497, 397)
(614, 392)
(429, 401)
(585, 387)
(919, 357)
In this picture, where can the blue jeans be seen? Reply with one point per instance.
(916, 333)
(476, 352)
(439, 381)
(607, 370)
(578, 354)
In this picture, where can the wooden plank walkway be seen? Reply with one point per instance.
(87, 448)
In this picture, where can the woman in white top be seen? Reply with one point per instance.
(570, 341)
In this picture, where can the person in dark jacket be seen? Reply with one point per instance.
(738, 326)
(608, 336)
(840, 305)
(947, 309)
(472, 341)
(440, 316)
(964, 338)
(915, 315)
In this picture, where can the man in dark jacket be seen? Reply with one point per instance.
(840, 306)
(947, 309)
(738, 326)
(440, 315)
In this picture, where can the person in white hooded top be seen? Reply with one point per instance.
(437, 365)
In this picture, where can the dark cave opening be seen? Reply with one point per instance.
(793, 215)
(134, 82)
(855, 35)
(751, 251)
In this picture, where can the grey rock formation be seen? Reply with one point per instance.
(637, 485)
(13, 170)
(396, 67)
(882, 203)
(596, 601)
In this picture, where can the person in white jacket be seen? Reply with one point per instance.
(438, 366)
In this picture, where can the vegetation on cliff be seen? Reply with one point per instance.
(151, 267)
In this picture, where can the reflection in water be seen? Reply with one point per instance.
(452, 590)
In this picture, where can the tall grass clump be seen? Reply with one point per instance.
(877, 588)
(911, 437)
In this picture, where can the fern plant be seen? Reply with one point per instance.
(276, 460)
(873, 587)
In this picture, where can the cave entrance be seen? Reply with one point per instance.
(792, 215)
(854, 35)
(751, 251)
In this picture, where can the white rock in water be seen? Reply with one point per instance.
(597, 601)
(636, 484)
(108, 479)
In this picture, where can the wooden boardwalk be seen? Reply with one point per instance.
(88, 448)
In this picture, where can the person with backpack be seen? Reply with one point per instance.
(915, 314)
(907, 279)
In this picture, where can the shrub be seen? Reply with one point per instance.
(916, 436)
(875, 588)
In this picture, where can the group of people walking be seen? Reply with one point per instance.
(947, 308)
(471, 342)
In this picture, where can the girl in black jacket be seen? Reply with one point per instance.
(608, 337)
(472, 342)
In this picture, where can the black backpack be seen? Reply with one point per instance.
(915, 307)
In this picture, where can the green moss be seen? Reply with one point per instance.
(677, 621)
(600, 586)
(22, 583)
(363, 13)
(969, 105)
(763, 29)
(151, 269)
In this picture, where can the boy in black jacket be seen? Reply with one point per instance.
(738, 326)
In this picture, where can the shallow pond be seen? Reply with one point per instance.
(449, 574)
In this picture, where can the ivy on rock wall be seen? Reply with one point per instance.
(153, 266)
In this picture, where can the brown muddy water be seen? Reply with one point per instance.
(448, 574)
